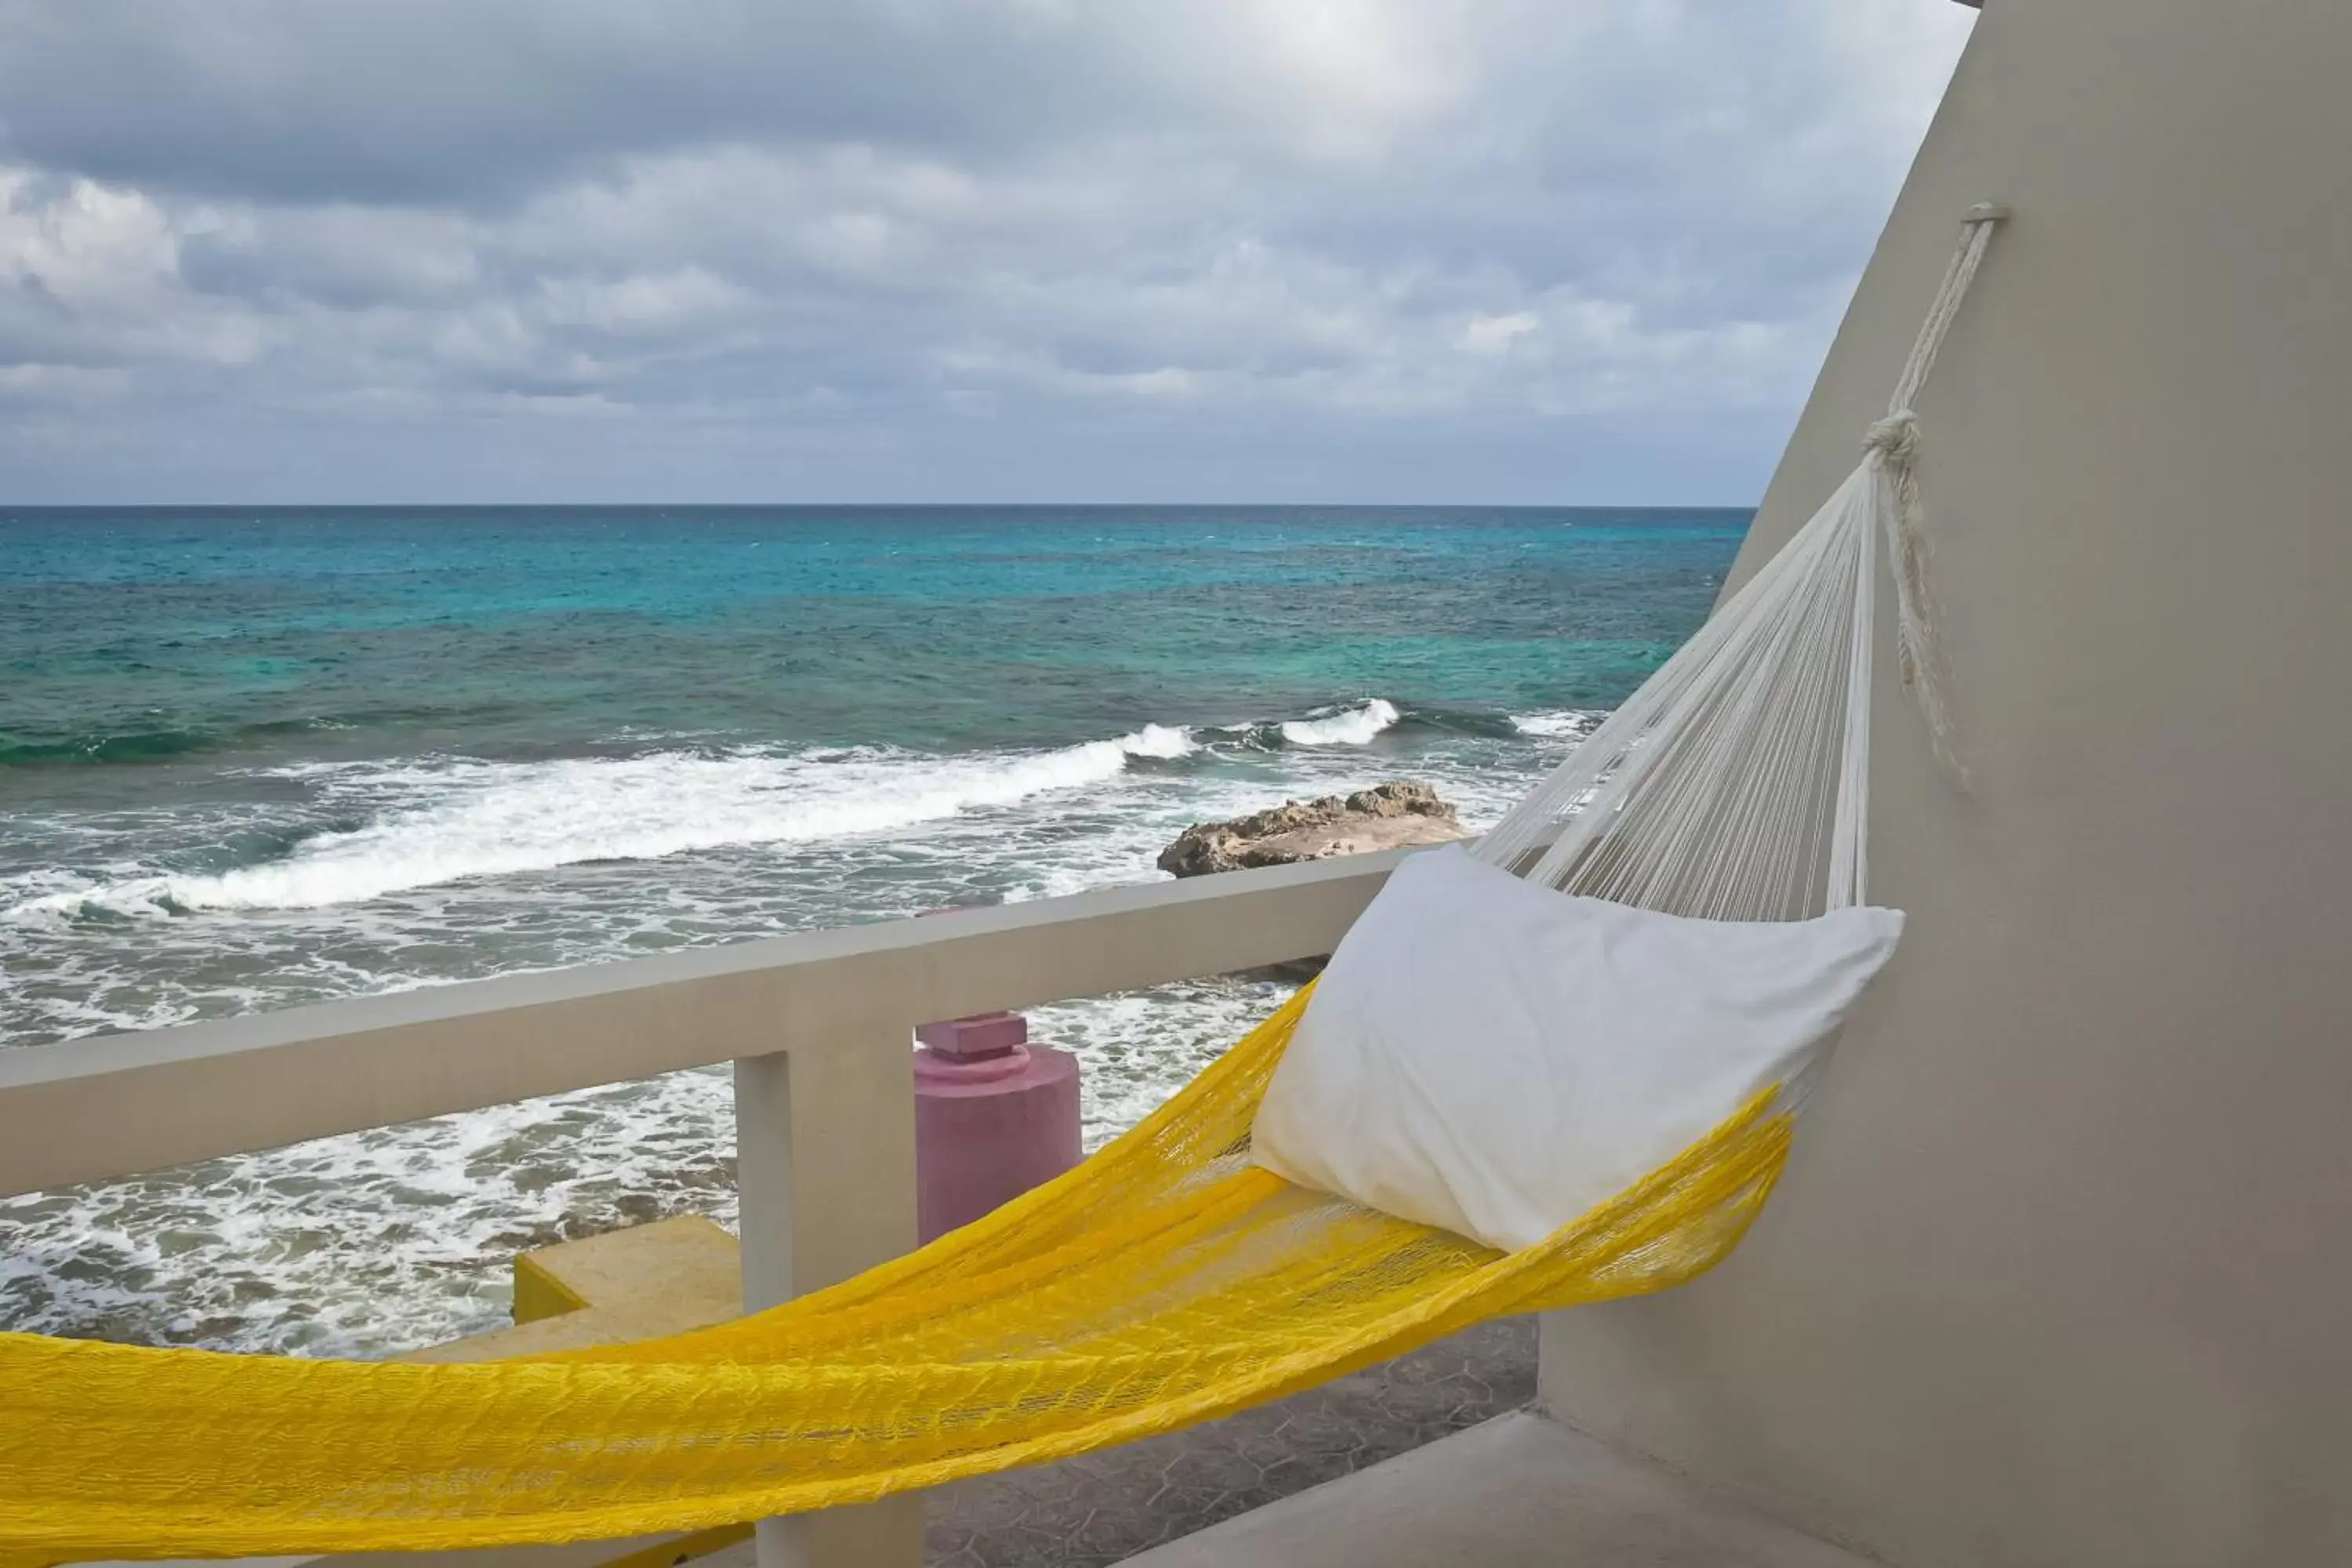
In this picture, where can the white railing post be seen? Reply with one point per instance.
(825, 1188)
(763, 1188)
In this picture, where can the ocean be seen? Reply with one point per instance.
(250, 759)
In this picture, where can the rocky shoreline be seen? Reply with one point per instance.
(1395, 815)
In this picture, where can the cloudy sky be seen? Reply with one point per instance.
(1327, 250)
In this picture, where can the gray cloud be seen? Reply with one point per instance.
(938, 249)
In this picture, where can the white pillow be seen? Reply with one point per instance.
(1494, 1058)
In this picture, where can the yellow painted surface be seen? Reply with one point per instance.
(539, 1294)
(641, 1283)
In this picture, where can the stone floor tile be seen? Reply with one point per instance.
(1101, 1508)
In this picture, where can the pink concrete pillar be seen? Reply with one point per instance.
(994, 1116)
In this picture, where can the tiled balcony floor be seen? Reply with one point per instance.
(1107, 1506)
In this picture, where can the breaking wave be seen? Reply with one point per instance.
(1350, 726)
(452, 821)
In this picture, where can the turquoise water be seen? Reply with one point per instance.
(250, 759)
(150, 635)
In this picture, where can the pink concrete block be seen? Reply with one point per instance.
(974, 1038)
(988, 1128)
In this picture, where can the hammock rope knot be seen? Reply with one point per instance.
(1896, 438)
(1891, 449)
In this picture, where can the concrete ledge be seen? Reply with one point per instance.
(1523, 1489)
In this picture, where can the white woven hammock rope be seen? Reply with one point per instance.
(1734, 784)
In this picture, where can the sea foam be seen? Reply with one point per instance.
(410, 1212)
(1573, 722)
(1351, 727)
(457, 820)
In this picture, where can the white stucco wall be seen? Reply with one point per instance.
(2062, 1273)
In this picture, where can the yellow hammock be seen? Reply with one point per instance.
(1164, 1282)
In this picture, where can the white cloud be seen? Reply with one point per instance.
(643, 304)
(87, 245)
(1329, 230)
(1484, 334)
(89, 275)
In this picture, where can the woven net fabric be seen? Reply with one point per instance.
(1164, 1282)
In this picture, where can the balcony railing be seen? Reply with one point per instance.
(818, 1025)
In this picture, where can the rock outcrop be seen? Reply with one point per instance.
(1390, 817)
